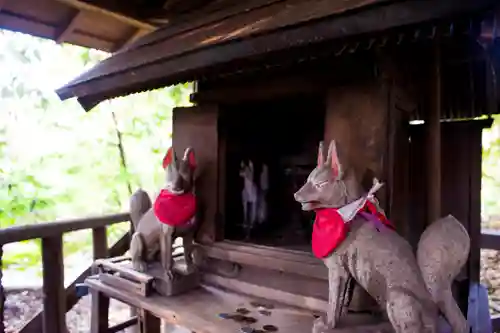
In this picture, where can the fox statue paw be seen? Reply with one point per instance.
(320, 325)
(169, 274)
(190, 269)
(139, 265)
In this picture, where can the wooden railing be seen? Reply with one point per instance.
(490, 240)
(57, 300)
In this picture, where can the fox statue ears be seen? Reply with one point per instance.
(171, 158)
(332, 159)
(189, 156)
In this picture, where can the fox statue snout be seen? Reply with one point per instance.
(356, 241)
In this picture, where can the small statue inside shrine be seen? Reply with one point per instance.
(248, 197)
(262, 195)
(355, 240)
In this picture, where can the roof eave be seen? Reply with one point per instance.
(191, 65)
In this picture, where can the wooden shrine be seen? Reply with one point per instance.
(404, 87)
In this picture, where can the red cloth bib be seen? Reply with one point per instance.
(330, 229)
(173, 209)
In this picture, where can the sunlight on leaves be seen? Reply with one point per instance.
(58, 162)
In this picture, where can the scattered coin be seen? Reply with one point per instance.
(250, 320)
(238, 318)
(255, 304)
(226, 315)
(242, 311)
(265, 312)
(270, 328)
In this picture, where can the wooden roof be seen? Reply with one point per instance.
(215, 38)
(73, 21)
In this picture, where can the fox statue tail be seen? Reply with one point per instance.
(442, 251)
(140, 203)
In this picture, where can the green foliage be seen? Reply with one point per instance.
(56, 161)
(490, 189)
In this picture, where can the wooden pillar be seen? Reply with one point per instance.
(54, 302)
(197, 127)
(433, 140)
(100, 303)
(149, 323)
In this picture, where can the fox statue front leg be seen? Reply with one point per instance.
(189, 246)
(137, 250)
(166, 249)
(338, 279)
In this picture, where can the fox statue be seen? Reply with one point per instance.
(172, 215)
(355, 240)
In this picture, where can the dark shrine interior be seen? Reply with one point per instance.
(283, 134)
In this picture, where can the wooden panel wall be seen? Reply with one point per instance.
(460, 184)
(198, 127)
(356, 118)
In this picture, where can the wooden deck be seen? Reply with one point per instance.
(199, 311)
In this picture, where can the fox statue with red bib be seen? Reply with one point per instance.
(356, 241)
(158, 225)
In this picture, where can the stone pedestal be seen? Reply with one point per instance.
(181, 282)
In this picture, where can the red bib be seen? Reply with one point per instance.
(330, 229)
(173, 209)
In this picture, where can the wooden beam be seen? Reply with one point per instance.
(182, 6)
(262, 291)
(433, 139)
(138, 33)
(42, 230)
(122, 326)
(120, 17)
(68, 27)
(259, 91)
(490, 239)
(279, 263)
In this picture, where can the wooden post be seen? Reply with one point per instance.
(149, 323)
(100, 303)
(2, 294)
(54, 314)
(99, 243)
(433, 140)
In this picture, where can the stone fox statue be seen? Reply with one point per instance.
(172, 216)
(354, 240)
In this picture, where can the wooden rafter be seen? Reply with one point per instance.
(133, 37)
(68, 27)
(84, 6)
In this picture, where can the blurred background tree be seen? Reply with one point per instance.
(56, 161)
